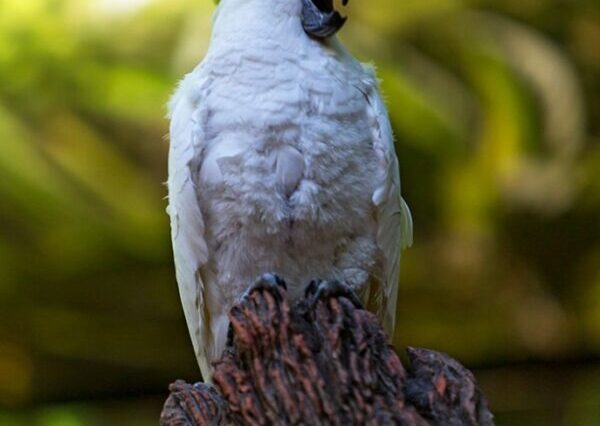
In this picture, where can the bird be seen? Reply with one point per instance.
(281, 160)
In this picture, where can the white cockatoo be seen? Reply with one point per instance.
(281, 159)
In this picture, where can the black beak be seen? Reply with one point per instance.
(320, 19)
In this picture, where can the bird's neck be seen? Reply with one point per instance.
(240, 22)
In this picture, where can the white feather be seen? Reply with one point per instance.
(395, 227)
(187, 225)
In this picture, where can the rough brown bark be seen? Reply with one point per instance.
(332, 365)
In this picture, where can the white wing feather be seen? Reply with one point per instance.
(187, 225)
(395, 227)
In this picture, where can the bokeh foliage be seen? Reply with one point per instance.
(496, 109)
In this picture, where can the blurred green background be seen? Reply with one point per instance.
(496, 109)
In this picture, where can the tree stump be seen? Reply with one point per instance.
(328, 365)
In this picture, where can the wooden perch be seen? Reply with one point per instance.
(331, 365)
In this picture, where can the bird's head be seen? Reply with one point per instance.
(319, 17)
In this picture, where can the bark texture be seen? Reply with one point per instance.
(332, 365)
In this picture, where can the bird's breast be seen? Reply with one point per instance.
(288, 150)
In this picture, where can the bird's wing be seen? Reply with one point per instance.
(394, 231)
(187, 225)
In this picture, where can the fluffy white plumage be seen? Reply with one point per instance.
(282, 159)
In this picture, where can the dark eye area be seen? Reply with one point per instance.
(324, 5)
